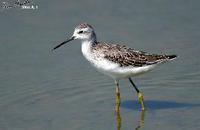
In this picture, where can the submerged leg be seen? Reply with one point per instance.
(117, 105)
(117, 93)
(140, 96)
(118, 115)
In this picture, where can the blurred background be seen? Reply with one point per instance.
(45, 90)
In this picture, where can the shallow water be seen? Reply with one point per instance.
(41, 89)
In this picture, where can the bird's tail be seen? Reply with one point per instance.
(171, 57)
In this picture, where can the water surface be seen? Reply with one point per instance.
(45, 90)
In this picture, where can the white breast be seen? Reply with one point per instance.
(97, 60)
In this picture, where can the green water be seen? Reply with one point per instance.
(45, 90)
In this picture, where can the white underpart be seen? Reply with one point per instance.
(110, 68)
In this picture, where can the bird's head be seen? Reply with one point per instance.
(83, 32)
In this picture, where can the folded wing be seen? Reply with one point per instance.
(129, 57)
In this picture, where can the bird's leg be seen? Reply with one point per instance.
(117, 93)
(141, 99)
(140, 95)
(117, 105)
(118, 115)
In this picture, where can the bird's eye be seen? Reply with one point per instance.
(80, 32)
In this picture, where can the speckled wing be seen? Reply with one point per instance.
(129, 57)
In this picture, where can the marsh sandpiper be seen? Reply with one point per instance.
(114, 60)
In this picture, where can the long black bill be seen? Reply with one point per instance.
(72, 38)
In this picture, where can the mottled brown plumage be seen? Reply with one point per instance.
(127, 56)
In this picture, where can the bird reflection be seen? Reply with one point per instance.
(117, 112)
(119, 119)
(141, 120)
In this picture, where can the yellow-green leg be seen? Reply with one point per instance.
(117, 93)
(118, 116)
(117, 105)
(140, 95)
(141, 99)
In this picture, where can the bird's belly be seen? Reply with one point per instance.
(125, 72)
(110, 68)
(114, 70)
(102, 65)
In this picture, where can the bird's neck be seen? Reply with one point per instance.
(86, 48)
(88, 44)
(91, 41)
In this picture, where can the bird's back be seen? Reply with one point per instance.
(126, 56)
